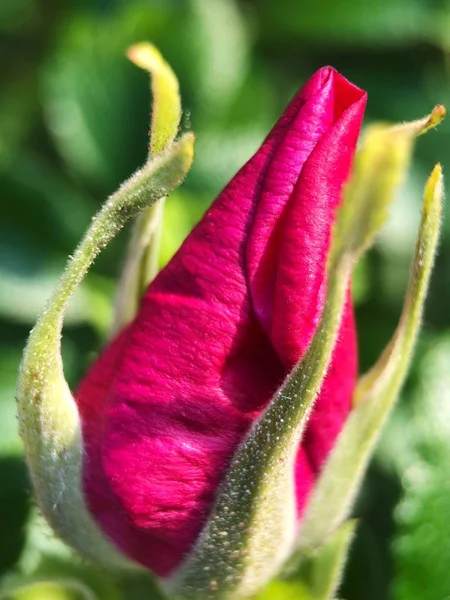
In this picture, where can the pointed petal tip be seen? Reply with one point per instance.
(327, 72)
(345, 85)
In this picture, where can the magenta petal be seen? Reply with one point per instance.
(330, 410)
(334, 402)
(287, 279)
(167, 404)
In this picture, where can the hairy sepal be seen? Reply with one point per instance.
(142, 261)
(48, 416)
(376, 392)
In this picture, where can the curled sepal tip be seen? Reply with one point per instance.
(48, 415)
(421, 126)
(376, 392)
(433, 120)
(166, 102)
(142, 261)
(380, 168)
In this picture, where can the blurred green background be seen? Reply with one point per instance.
(73, 125)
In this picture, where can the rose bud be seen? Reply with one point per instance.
(172, 397)
(207, 440)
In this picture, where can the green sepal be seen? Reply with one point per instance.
(322, 569)
(319, 574)
(48, 415)
(379, 169)
(142, 261)
(376, 392)
(166, 102)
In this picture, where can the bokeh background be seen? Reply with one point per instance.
(73, 125)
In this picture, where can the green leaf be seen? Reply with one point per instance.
(50, 590)
(16, 112)
(48, 416)
(422, 552)
(376, 392)
(23, 297)
(14, 501)
(351, 22)
(93, 99)
(215, 46)
(46, 558)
